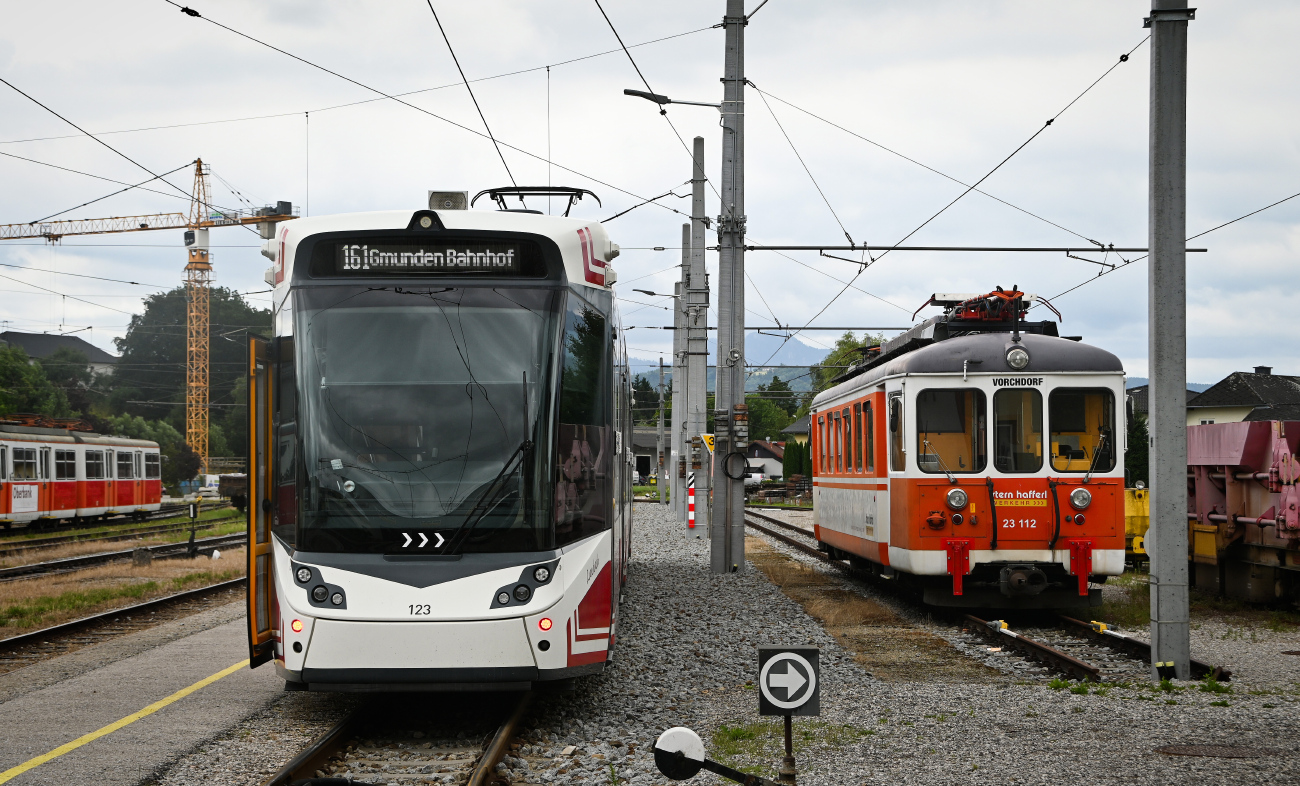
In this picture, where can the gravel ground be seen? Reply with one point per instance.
(687, 656)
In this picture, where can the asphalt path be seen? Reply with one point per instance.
(120, 711)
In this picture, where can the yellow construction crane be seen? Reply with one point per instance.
(198, 276)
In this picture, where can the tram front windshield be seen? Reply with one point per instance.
(411, 411)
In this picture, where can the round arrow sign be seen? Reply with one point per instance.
(787, 686)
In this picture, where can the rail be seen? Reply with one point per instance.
(997, 632)
(125, 534)
(161, 551)
(1100, 633)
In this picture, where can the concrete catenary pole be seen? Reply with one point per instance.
(661, 480)
(697, 347)
(728, 533)
(680, 439)
(1167, 337)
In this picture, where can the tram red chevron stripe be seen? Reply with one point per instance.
(589, 259)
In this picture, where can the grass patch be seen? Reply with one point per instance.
(1211, 685)
(1058, 684)
(117, 526)
(1133, 609)
(45, 610)
(756, 748)
(1219, 703)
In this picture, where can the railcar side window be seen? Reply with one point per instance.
(125, 465)
(152, 466)
(848, 439)
(65, 465)
(838, 428)
(950, 431)
(897, 450)
(821, 441)
(1082, 422)
(1018, 430)
(4, 462)
(24, 464)
(857, 436)
(94, 465)
(869, 426)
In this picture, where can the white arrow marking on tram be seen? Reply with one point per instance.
(792, 680)
(437, 535)
(408, 540)
(424, 540)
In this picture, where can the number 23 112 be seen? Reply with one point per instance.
(1019, 523)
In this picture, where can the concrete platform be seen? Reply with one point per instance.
(52, 703)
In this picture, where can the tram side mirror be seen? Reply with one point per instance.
(1129, 410)
(267, 506)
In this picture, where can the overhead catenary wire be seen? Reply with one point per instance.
(84, 275)
(1193, 237)
(195, 14)
(115, 193)
(472, 97)
(297, 112)
(803, 163)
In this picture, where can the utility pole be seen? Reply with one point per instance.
(697, 348)
(1167, 337)
(731, 420)
(660, 479)
(680, 438)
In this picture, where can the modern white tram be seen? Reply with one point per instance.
(441, 468)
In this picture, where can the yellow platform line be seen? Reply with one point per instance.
(14, 772)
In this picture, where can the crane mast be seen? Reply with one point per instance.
(198, 280)
(198, 277)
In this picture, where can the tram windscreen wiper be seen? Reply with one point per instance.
(489, 498)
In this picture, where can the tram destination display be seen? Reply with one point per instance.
(384, 259)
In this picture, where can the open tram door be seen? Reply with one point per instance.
(261, 581)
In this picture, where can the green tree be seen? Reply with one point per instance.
(783, 396)
(69, 370)
(182, 463)
(847, 349)
(766, 418)
(25, 388)
(645, 401)
(152, 363)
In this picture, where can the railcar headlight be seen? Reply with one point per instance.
(523, 593)
(1017, 358)
(956, 499)
(1080, 499)
(541, 575)
(304, 575)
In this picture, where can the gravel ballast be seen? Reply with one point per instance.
(687, 655)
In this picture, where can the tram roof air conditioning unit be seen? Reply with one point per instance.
(449, 200)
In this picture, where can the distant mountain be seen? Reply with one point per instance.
(759, 348)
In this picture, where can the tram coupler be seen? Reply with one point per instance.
(679, 755)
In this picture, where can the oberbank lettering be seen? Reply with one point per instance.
(1021, 499)
(1003, 382)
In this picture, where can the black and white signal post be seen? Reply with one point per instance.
(789, 684)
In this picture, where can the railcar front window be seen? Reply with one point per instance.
(950, 431)
(1018, 430)
(1082, 423)
(412, 419)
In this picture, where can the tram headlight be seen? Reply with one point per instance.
(337, 599)
(523, 592)
(1017, 358)
(957, 499)
(1080, 499)
(541, 574)
(319, 593)
(503, 598)
(304, 575)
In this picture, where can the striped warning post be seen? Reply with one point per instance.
(690, 501)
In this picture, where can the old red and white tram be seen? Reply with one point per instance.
(53, 470)
(440, 484)
(977, 458)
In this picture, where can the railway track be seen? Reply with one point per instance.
(1081, 650)
(394, 739)
(164, 512)
(161, 551)
(7, 550)
(23, 650)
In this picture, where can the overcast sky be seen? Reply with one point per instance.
(956, 86)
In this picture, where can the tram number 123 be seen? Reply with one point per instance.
(420, 610)
(1019, 523)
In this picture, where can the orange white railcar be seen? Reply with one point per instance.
(49, 474)
(978, 458)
